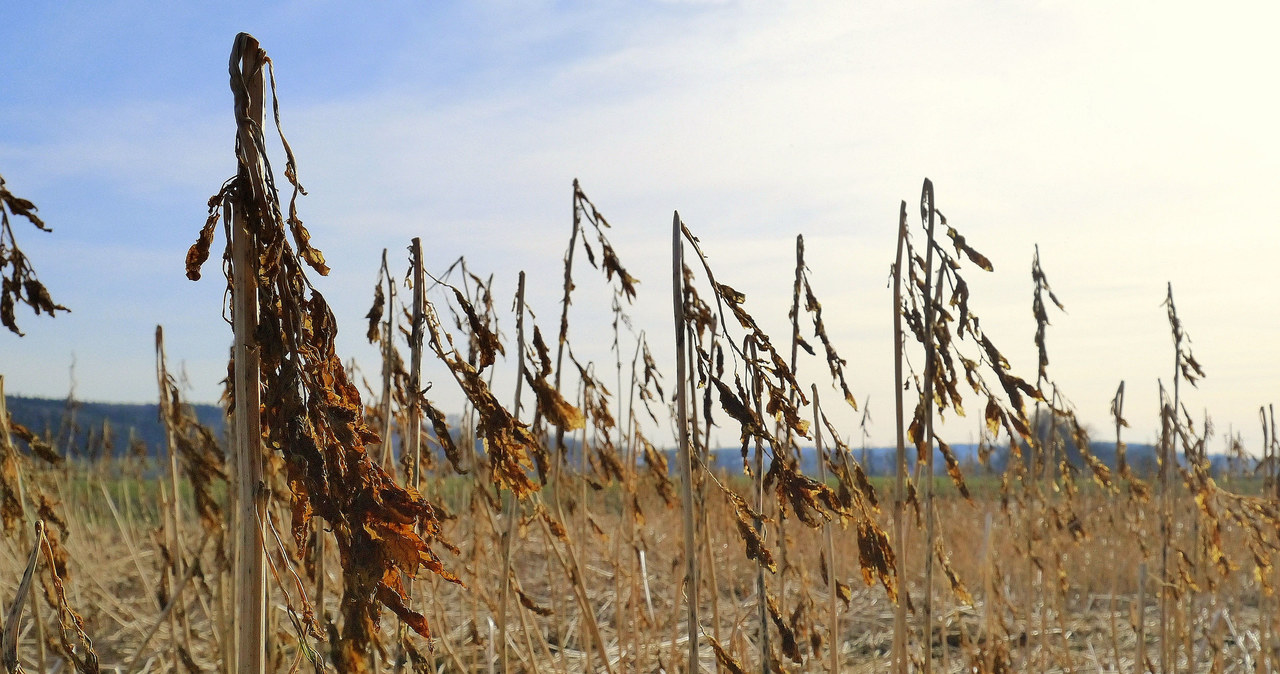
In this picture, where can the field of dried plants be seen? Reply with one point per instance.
(542, 530)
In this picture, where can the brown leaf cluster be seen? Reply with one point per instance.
(811, 305)
(609, 261)
(311, 412)
(18, 281)
(200, 455)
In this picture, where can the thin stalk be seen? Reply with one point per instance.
(558, 449)
(510, 505)
(414, 432)
(564, 333)
(176, 543)
(583, 466)
(1141, 626)
(321, 574)
(413, 425)
(930, 362)
(1165, 530)
(761, 594)
(1111, 613)
(388, 341)
(629, 516)
(900, 479)
(789, 445)
(247, 84)
(169, 576)
(708, 536)
(7, 442)
(834, 625)
(686, 460)
(1173, 457)
(988, 591)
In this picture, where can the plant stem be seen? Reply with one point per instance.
(834, 626)
(686, 460)
(247, 83)
(900, 480)
(511, 505)
(930, 363)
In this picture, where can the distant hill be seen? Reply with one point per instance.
(881, 460)
(54, 419)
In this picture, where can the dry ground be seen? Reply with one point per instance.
(116, 583)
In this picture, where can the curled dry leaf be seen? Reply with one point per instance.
(723, 656)
(876, 558)
(790, 648)
(530, 604)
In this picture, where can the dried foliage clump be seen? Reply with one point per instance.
(774, 390)
(18, 281)
(811, 305)
(200, 454)
(311, 412)
(509, 444)
(609, 262)
(952, 323)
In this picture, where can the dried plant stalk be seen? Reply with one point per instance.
(312, 412)
(900, 662)
(12, 620)
(834, 626)
(511, 505)
(926, 400)
(176, 541)
(686, 461)
(250, 603)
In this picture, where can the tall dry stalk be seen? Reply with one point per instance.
(10, 453)
(1141, 619)
(250, 604)
(1039, 461)
(762, 590)
(416, 334)
(685, 457)
(510, 504)
(175, 541)
(1186, 368)
(929, 212)
(900, 661)
(292, 392)
(833, 629)
(388, 356)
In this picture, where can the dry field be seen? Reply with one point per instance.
(551, 535)
(117, 579)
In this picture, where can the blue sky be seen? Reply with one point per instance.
(1135, 146)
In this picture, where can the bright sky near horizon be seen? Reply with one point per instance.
(1133, 142)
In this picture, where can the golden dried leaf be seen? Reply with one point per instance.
(723, 657)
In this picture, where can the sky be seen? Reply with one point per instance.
(1134, 143)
